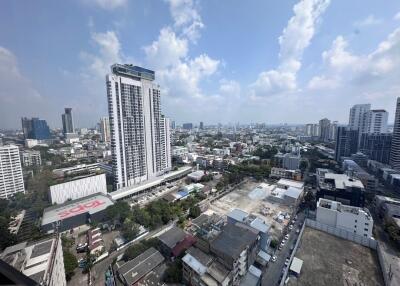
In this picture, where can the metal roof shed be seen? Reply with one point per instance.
(296, 265)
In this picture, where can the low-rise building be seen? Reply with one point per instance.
(352, 219)
(342, 188)
(75, 213)
(135, 270)
(240, 216)
(175, 241)
(282, 173)
(31, 158)
(41, 261)
(196, 176)
(288, 161)
(236, 248)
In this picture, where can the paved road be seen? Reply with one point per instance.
(100, 268)
(274, 270)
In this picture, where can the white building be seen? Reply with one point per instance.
(31, 158)
(41, 261)
(377, 121)
(105, 129)
(11, 179)
(77, 189)
(357, 118)
(352, 219)
(140, 135)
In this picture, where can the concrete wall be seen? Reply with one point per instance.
(78, 189)
(368, 242)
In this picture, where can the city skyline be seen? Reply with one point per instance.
(302, 61)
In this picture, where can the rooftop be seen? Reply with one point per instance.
(342, 181)
(290, 183)
(233, 240)
(31, 259)
(90, 204)
(137, 268)
(329, 260)
(133, 71)
(171, 237)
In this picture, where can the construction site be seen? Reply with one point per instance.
(258, 199)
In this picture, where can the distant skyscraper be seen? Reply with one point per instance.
(11, 180)
(346, 142)
(173, 124)
(395, 149)
(333, 130)
(376, 121)
(67, 121)
(201, 125)
(357, 117)
(187, 126)
(35, 128)
(140, 135)
(324, 126)
(105, 129)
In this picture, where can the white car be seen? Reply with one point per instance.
(273, 259)
(291, 227)
(287, 236)
(287, 261)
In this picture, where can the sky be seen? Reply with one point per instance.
(216, 61)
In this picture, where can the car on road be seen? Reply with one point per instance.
(287, 261)
(280, 247)
(273, 259)
(287, 236)
(283, 243)
(298, 230)
(291, 227)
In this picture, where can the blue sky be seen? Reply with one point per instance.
(216, 61)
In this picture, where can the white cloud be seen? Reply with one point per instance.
(167, 50)
(338, 57)
(382, 64)
(186, 18)
(229, 88)
(108, 4)
(180, 75)
(18, 96)
(109, 52)
(183, 79)
(397, 16)
(370, 20)
(322, 82)
(295, 38)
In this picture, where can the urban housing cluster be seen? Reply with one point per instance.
(141, 200)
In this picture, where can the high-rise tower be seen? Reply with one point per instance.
(395, 148)
(67, 121)
(140, 135)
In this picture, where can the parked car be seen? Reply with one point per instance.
(287, 261)
(273, 259)
(291, 227)
(81, 247)
(287, 236)
(280, 247)
(298, 230)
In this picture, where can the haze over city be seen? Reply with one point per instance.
(258, 61)
(200, 143)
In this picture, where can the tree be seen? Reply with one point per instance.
(70, 264)
(194, 211)
(173, 274)
(120, 210)
(303, 166)
(130, 230)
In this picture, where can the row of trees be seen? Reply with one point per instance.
(236, 173)
(153, 215)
